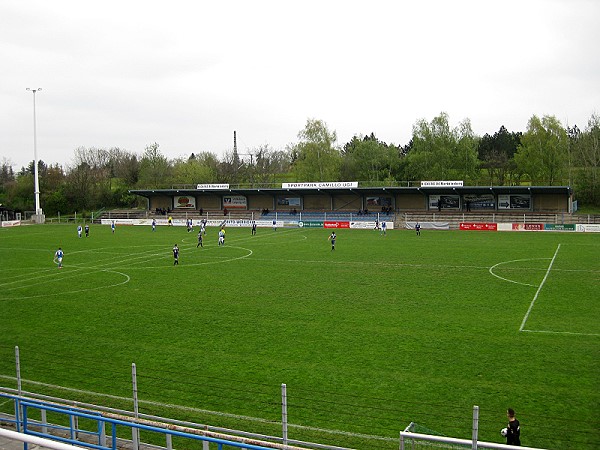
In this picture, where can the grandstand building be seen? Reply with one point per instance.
(349, 197)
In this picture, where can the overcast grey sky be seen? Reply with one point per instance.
(187, 74)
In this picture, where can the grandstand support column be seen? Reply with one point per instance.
(135, 432)
(475, 426)
(284, 424)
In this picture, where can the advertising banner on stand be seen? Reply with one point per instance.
(514, 202)
(444, 202)
(479, 201)
(235, 202)
(184, 201)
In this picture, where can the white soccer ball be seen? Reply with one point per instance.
(504, 431)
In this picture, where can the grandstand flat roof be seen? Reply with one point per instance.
(368, 191)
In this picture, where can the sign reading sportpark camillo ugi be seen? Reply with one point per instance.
(321, 185)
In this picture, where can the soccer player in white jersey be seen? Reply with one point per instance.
(59, 257)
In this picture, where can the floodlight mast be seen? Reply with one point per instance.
(38, 209)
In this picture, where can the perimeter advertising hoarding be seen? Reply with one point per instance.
(479, 226)
(528, 226)
(588, 227)
(10, 223)
(370, 225)
(559, 227)
(310, 224)
(336, 224)
(364, 225)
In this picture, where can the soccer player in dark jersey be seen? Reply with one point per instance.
(253, 227)
(332, 237)
(200, 239)
(175, 255)
(418, 229)
(513, 435)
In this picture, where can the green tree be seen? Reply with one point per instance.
(7, 174)
(154, 168)
(194, 170)
(465, 161)
(19, 194)
(439, 152)
(366, 158)
(269, 165)
(496, 154)
(543, 152)
(125, 165)
(586, 159)
(316, 157)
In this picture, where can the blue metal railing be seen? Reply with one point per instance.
(26, 425)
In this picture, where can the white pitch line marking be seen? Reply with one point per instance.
(539, 290)
(571, 333)
(491, 270)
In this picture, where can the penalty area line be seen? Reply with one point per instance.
(539, 290)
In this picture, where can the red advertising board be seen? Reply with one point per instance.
(486, 226)
(528, 226)
(336, 224)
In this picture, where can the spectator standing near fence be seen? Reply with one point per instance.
(513, 435)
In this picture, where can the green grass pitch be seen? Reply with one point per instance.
(381, 332)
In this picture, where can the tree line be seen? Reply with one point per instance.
(547, 153)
